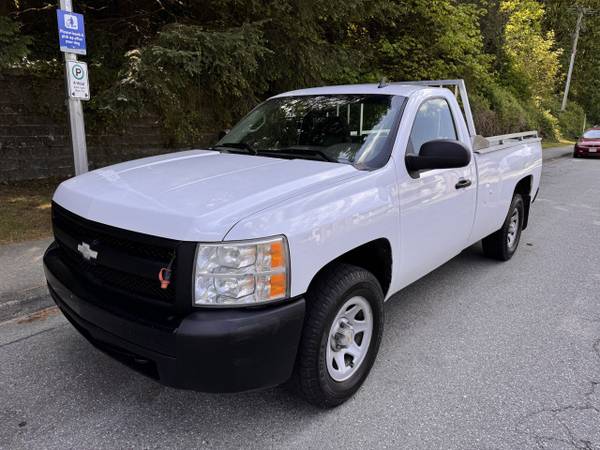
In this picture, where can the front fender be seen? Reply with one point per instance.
(321, 225)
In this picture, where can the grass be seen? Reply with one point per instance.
(25, 210)
(561, 143)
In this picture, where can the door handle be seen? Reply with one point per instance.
(462, 183)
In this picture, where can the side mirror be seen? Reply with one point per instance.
(439, 154)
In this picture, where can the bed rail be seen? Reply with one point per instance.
(494, 143)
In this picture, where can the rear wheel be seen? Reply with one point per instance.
(341, 335)
(503, 244)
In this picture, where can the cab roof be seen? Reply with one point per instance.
(404, 90)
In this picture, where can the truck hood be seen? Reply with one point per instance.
(197, 195)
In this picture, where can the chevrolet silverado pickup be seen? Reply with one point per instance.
(266, 259)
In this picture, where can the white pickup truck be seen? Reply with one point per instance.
(268, 257)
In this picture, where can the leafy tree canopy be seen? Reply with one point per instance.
(202, 64)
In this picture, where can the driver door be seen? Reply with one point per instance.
(436, 208)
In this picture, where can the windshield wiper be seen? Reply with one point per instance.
(295, 151)
(237, 146)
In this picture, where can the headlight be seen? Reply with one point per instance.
(241, 273)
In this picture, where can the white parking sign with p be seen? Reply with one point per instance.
(77, 76)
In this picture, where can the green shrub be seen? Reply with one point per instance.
(499, 111)
(571, 121)
(486, 120)
(14, 46)
(194, 78)
(512, 116)
(547, 125)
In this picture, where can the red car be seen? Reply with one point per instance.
(588, 145)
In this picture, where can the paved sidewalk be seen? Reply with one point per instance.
(23, 289)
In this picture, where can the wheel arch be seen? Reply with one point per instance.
(374, 256)
(523, 188)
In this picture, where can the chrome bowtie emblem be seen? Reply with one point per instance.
(86, 251)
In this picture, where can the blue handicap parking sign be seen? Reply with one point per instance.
(71, 32)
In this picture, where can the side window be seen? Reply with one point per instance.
(433, 121)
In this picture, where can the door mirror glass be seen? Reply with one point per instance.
(439, 154)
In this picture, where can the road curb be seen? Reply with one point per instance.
(564, 153)
(554, 158)
(21, 303)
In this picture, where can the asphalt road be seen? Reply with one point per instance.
(478, 354)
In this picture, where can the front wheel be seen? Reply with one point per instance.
(341, 335)
(503, 244)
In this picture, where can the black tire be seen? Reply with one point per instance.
(575, 155)
(324, 300)
(496, 245)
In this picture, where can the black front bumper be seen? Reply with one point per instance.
(218, 350)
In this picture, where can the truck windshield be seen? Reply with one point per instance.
(348, 129)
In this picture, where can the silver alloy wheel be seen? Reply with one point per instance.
(349, 338)
(513, 229)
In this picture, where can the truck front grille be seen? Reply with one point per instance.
(127, 263)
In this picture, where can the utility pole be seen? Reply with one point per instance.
(580, 12)
(75, 111)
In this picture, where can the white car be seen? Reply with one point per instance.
(269, 256)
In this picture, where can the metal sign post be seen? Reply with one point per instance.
(72, 42)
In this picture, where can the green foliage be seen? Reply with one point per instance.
(201, 65)
(561, 17)
(547, 125)
(419, 39)
(186, 71)
(533, 61)
(13, 44)
(500, 111)
(571, 121)
(512, 116)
